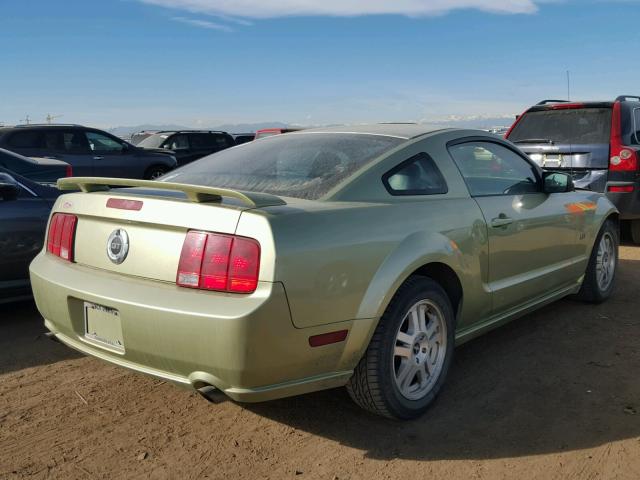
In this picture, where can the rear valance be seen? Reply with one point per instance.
(195, 193)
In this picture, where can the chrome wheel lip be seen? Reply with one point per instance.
(605, 262)
(420, 349)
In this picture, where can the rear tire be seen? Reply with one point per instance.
(600, 277)
(634, 227)
(155, 172)
(407, 361)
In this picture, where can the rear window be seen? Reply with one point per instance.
(574, 126)
(300, 165)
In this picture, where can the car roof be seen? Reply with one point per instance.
(399, 130)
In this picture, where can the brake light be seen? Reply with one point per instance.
(124, 204)
(60, 238)
(621, 188)
(567, 106)
(622, 158)
(69, 171)
(224, 263)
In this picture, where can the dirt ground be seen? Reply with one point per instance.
(553, 395)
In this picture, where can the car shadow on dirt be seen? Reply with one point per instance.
(22, 340)
(563, 378)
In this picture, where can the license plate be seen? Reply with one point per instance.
(103, 326)
(552, 160)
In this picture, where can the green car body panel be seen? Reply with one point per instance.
(326, 265)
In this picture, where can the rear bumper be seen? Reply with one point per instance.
(245, 346)
(627, 203)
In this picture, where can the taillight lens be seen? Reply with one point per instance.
(621, 188)
(224, 263)
(60, 238)
(622, 158)
(69, 171)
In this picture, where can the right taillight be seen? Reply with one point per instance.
(69, 171)
(224, 263)
(621, 158)
(60, 238)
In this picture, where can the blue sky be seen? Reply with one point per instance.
(209, 62)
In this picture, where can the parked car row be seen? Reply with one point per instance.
(89, 152)
(60, 150)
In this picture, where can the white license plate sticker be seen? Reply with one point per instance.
(103, 326)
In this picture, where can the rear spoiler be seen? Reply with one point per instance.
(195, 193)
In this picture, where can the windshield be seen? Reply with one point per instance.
(154, 141)
(573, 126)
(296, 165)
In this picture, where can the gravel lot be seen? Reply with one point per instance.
(553, 395)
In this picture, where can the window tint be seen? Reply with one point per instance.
(492, 169)
(102, 143)
(577, 126)
(635, 131)
(209, 140)
(297, 165)
(417, 176)
(26, 139)
(178, 142)
(74, 142)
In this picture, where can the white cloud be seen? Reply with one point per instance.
(202, 23)
(281, 8)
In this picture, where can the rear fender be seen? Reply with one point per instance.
(408, 257)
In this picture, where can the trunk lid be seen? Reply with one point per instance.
(155, 221)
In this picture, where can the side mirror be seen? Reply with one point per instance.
(556, 182)
(9, 188)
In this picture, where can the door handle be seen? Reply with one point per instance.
(98, 157)
(501, 221)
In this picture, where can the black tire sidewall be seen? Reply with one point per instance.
(601, 295)
(416, 290)
(151, 170)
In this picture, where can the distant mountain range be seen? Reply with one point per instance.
(483, 122)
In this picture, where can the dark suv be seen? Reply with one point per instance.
(89, 151)
(188, 145)
(597, 142)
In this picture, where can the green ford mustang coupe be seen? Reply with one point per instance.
(354, 256)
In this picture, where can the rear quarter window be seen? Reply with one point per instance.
(417, 176)
(26, 139)
(573, 126)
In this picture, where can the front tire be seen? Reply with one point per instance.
(407, 361)
(155, 172)
(599, 279)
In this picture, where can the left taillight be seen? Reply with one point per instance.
(69, 171)
(224, 263)
(60, 238)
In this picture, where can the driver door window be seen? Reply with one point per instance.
(493, 169)
(103, 144)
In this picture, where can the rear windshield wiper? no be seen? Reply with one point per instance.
(535, 140)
